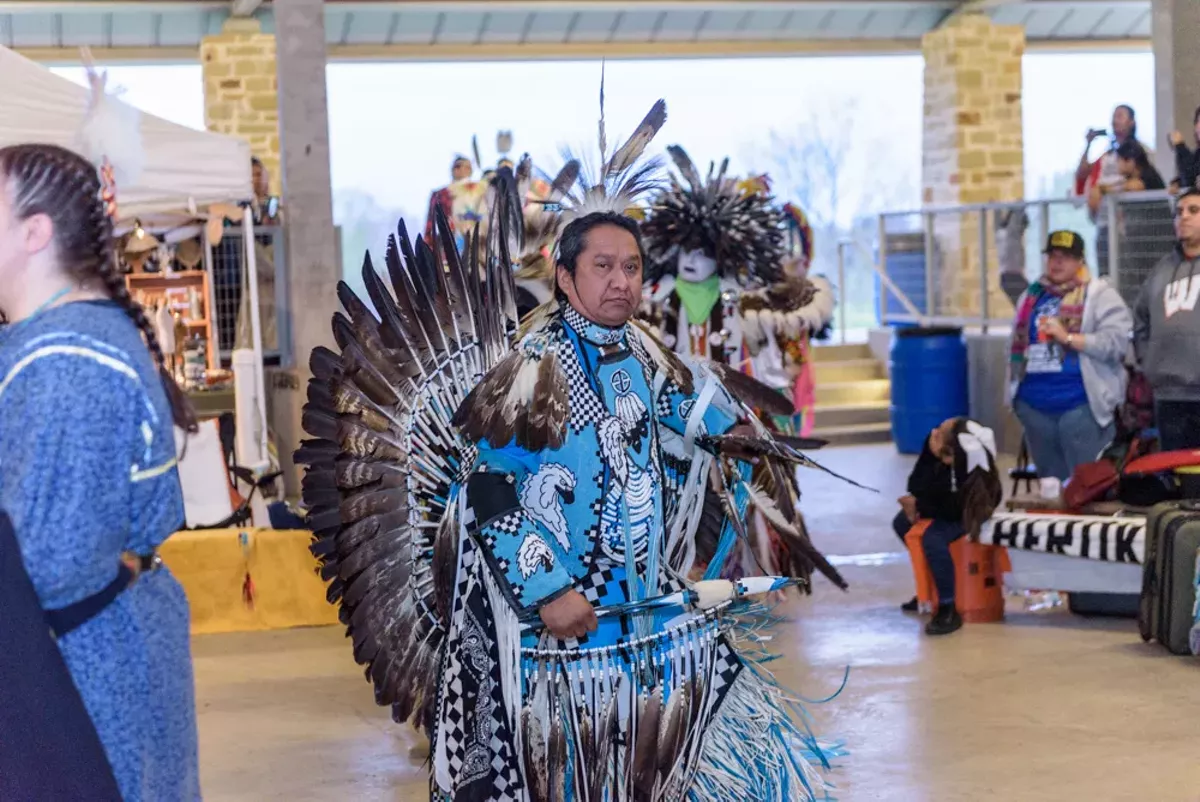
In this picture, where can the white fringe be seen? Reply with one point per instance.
(750, 750)
(508, 647)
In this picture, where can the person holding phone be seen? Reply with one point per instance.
(1095, 178)
(1104, 171)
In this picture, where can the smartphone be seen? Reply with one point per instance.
(273, 206)
(1099, 131)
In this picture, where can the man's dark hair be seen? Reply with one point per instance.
(573, 241)
(255, 162)
(1196, 116)
(1188, 192)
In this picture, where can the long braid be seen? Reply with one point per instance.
(66, 187)
(114, 282)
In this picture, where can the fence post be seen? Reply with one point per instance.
(930, 288)
(1114, 242)
(984, 301)
(841, 265)
(213, 344)
(881, 250)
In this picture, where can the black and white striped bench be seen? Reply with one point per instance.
(1092, 537)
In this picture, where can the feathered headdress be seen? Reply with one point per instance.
(542, 222)
(740, 229)
(110, 136)
(799, 232)
(623, 177)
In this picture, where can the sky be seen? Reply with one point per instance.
(395, 127)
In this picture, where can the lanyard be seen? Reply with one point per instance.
(46, 304)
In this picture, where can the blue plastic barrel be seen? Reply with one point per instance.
(929, 382)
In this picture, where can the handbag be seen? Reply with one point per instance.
(1090, 482)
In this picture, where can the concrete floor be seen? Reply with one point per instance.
(1041, 707)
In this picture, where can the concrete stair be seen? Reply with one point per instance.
(853, 395)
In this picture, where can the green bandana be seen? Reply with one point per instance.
(699, 297)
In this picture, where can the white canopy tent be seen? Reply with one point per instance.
(184, 171)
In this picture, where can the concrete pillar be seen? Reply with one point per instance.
(312, 257)
(240, 89)
(972, 150)
(987, 387)
(1175, 32)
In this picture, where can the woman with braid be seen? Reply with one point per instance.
(87, 467)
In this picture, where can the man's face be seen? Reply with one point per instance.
(1062, 266)
(461, 170)
(1187, 219)
(1122, 123)
(261, 179)
(696, 265)
(607, 284)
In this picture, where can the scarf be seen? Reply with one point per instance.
(699, 297)
(1072, 293)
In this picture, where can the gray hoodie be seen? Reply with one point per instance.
(1166, 328)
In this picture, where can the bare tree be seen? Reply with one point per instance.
(841, 175)
(836, 171)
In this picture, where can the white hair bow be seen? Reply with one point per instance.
(978, 442)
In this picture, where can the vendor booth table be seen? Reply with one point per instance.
(240, 580)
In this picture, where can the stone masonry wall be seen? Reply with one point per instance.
(972, 149)
(241, 91)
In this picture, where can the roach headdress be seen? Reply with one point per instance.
(623, 177)
(740, 229)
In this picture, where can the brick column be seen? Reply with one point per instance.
(241, 92)
(972, 148)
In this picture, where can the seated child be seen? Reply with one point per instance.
(954, 485)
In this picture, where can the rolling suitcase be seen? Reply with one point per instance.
(1165, 612)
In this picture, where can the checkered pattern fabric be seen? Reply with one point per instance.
(473, 662)
(729, 665)
(586, 406)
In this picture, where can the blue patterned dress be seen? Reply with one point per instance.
(87, 471)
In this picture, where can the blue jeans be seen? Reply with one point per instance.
(936, 545)
(1058, 443)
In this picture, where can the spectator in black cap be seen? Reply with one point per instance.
(1167, 333)
(1067, 373)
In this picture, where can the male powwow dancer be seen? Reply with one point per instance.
(508, 520)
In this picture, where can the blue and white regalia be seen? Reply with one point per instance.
(463, 474)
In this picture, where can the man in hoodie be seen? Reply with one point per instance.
(1166, 332)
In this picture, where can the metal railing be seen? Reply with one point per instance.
(230, 274)
(965, 265)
